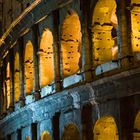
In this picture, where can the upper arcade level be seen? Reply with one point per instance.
(55, 45)
(10, 10)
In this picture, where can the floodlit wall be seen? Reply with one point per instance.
(71, 44)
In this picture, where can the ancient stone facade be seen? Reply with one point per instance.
(70, 70)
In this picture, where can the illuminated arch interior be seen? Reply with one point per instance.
(27, 138)
(45, 136)
(135, 21)
(71, 44)
(71, 132)
(105, 129)
(8, 84)
(46, 58)
(137, 122)
(29, 68)
(16, 78)
(104, 25)
(137, 127)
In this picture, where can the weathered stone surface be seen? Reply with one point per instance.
(91, 97)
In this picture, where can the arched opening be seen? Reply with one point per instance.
(105, 129)
(7, 88)
(27, 138)
(46, 58)
(135, 25)
(104, 38)
(16, 78)
(136, 133)
(45, 136)
(71, 132)
(71, 44)
(29, 68)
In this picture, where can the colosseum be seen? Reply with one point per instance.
(69, 69)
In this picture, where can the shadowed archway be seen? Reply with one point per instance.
(71, 132)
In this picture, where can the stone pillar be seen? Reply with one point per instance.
(56, 35)
(21, 69)
(4, 101)
(1, 100)
(11, 107)
(124, 33)
(35, 32)
(86, 41)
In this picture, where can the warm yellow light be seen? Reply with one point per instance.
(135, 1)
(45, 136)
(29, 68)
(103, 21)
(135, 24)
(137, 122)
(71, 44)
(27, 138)
(46, 58)
(4, 96)
(16, 78)
(105, 129)
(8, 84)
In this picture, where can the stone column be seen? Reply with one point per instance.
(124, 33)
(4, 101)
(21, 69)
(11, 107)
(1, 100)
(56, 35)
(86, 41)
(35, 35)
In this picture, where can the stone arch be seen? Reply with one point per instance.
(135, 25)
(136, 134)
(16, 78)
(46, 58)
(45, 136)
(71, 132)
(71, 44)
(8, 84)
(29, 68)
(105, 128)
(104, 30)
